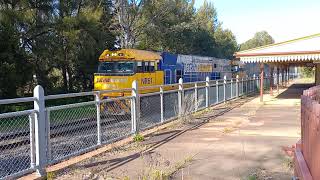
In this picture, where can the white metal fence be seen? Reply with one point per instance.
(33, 139)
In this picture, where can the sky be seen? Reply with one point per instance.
(282, 19)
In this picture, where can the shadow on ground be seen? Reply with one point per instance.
(294, 91)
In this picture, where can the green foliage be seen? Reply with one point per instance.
(252, 177)
(138, 138)
(175, 26)
(260, 39)
(57, 43)
(307, 72)
(226, 43)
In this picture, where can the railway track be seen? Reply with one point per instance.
(17, 139)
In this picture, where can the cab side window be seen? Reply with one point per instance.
(140, 67)
(146, 66)
(178, 75)
(152, 66)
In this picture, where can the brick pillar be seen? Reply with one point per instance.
(271, 79)
(278, 80)
(317, 74)
(261, 81)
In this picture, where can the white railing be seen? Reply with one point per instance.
(33, 139)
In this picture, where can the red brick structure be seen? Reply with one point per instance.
(307, 153)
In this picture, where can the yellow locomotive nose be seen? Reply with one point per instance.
(102, 82)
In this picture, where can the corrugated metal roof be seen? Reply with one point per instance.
(301, 49)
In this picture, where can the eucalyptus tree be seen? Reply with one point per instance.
(260, 39)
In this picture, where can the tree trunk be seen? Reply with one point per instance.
(70, 79)
(65, 79)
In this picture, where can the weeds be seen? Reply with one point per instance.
(50, 175)
(252, 177)
(227, 130)
(138, 138)
(288, 163)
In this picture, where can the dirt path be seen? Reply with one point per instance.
(247, 140)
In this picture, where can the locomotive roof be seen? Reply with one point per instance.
(129, 54)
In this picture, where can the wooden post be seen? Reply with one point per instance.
(285, 76)
(271, 80)
(278, 80)
(261, 81)
(288, 74)
(317, 74)
(282, 76)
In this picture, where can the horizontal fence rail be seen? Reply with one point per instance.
(35, 138)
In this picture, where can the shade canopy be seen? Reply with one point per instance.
(301, 50)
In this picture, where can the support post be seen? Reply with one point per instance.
(32, 141)
(261, 81)
(242, 91)
(135, 107)
(207, 90)
(285, 76)
(231, 89)
(98, 104)
(40, 130)
(254, 83)
(196, 96)
(317, 74)
(49, 157)
(224, 88)
(271, 80)
(217, 91)
(246, 85)
(282, 76)
(278, 79)
(237, 86)
(288, 74)
(161, 105)
(180, 97)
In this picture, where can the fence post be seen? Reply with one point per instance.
(196, 96)
(217, 91)
(98, 104)
(254, 82)
(242, 89)
(32, 141)
(48, 136)
(247, 85)
(135, 107)
(237, 86)
(161, 104)
(40, 130)
(207, 90)
(180, 96)
(224, 88)
(231, 89)
(251, 84)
